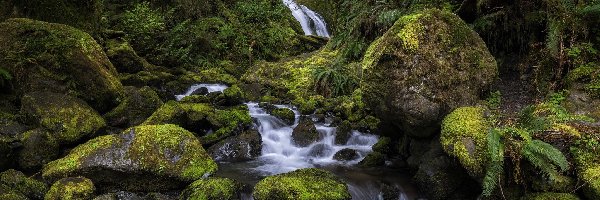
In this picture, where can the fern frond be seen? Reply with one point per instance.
(551, 153)
(495, 166)
(545, 157)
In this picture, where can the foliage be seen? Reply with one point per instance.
(494, 100)
(5, 77)
(143, 25)
(333, 80)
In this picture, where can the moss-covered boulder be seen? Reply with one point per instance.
(22, 184)
(424, 66)
(71, 188)
(346, 155)
(305, 133)
(384, 146)
(242, 147)
(234, 95)
(138, 105)
(68, 119)
(587, 161)
(123, 57)
(343, 133)
(212, 189)
(39, 147)
(308, 183)
(162, 157)
(285, 114)
(464, 136)
(550, 196)
(54, 57)
(373, 159)
(212, 124)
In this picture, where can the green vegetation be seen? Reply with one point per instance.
(22, 184)
(211, 189)
(308, 183)
(71, 188)
(5, 77)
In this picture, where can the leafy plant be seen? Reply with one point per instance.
(143, 26)
(494, 100)
(333, 80)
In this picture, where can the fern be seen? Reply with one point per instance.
(496, 162)
(545, 157)
(334, 81)
(4, 77)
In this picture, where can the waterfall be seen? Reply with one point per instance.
(280, 155)
(312, 23)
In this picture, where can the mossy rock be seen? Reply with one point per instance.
(550, 196)
(8, 151)
(343, 133)
(68, 119)
(285, 114)
(439, 178)
(195, 99)
(384, 146)
(162, 157)
(373, 159)
(123, 57)
(587, 161)
(243, 147)
(23, 185)
(234, 95)
(427, 64)
(39, 148)
(71, 188)
(464, 136)
(84, 15)
(346, 155)
(201, 118)
(560, 184)
(214, 188)
(138, 105)
(44, 56)
(307, 183)
(305, 133)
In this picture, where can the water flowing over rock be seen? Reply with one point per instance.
(162, 157)
(312, 23)
(422, 68)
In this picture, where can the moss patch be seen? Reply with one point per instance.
(301, 184)
(72, 188)
(29, 187)
(212, 188)
(464, 136)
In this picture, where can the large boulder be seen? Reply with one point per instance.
(464, 136)
(307, 183)
(212, 124)
(39, 148)
(72, 188)
(44, 56)
(422, 68)
(123, 57)
(212, 188)
(138, 105)
(162, 157)
(245, 146)
(305, 133)
(68, 119)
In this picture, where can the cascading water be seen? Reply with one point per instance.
(280, 155)
(312, 23)
(209, 87)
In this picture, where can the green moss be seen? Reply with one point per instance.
(39, 148)
(138, 105)
(195, 99)
(227, 123)
(234, 95)
(550, 196)
(585, 153)
(72, 188)
(211, 188)
(54, 57)
(409, 35)
(69, 119)
(464, 136)
(284, 114)
(213, 75)
(374, 159)
(301, 184)
(27, 186)
(384, 145)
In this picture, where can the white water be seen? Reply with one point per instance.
(312, 23)
(280, 155)
(210, 87)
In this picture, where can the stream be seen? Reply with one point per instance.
(280, 155)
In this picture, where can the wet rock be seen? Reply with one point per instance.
(39, 148)
(373, 159)
(67, 60)
(68, 119)
(200, 91)
(246, 146)
(320, 150)
(305, 133)
(233, 95)
(72, 188)
(440, 178)
(163, 157)
(138, 105)
(23, 185)
(212, 188)
(422, 68)
(346, 155)
(285, 114)
(123, 57)
(302, 183)
(384, 146)
(343, 133)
